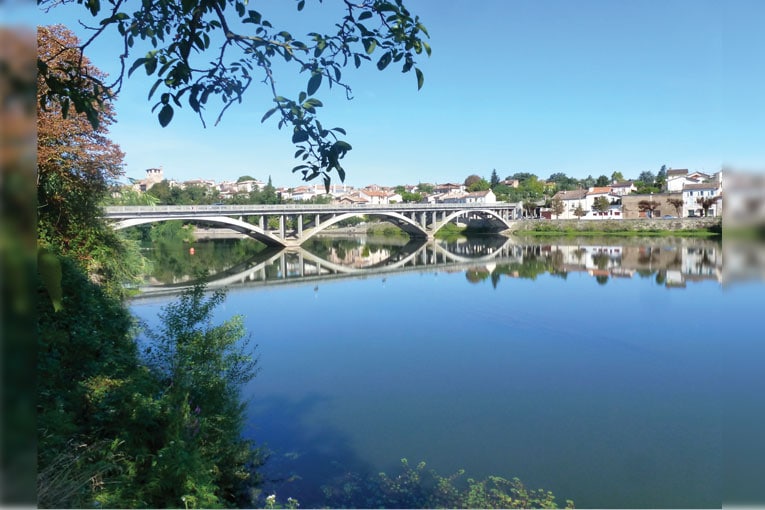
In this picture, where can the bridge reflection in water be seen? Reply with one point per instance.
(673, 263)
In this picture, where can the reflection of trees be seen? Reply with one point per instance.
(476, 274)
(601, 260)
(601, 279)
(171, 261)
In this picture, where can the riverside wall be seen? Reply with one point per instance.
(637, 225)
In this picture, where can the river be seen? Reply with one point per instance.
(616, 373)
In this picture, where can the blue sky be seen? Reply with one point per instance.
(541, 86)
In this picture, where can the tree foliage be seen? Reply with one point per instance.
(119, 431)
(472, 179)
(494, 178)
(706, 203)
(648, 206)
(677, 203)
(479, 185)
(557, 206)
(77, 166)
(207, 54)
(418, 487)
(601, 204)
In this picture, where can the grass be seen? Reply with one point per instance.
(616, 233)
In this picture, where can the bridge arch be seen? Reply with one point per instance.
(234, 224)
(486, 212)
(406, 224)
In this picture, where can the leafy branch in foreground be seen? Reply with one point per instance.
(212, 50)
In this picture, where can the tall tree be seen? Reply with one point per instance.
(206, 54)
(494, 179)
(77, 166)
(647, 177)
(557, 206)
(617, 176)
(602, 181)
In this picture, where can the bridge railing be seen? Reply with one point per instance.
(296, 208)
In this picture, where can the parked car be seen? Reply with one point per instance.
(668, 217)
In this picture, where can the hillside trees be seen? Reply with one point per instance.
(207, 54)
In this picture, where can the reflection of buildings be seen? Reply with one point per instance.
(674, 264)
(358, 257)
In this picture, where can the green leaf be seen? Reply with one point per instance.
(138, 63)
(384, 61)
(188, 5)
(342, 146)
(165, 115)
(365, 15)
(150, 65)
(154, 88)
(369, 45)
(299, 136)
(420, 78)
(300, 5)
(268, 114)
(312, 103)
(314, 83)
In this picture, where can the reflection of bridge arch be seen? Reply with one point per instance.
(423, 254)
(483, 258)
(234, 224)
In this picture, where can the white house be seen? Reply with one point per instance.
(572, 200)
(677, 179)
(623, 188)
(479, 197)
(692, 193)
(375, 196)
(249, 185)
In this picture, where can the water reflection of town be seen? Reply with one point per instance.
(672, 262)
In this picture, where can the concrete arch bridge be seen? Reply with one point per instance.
(299, 222)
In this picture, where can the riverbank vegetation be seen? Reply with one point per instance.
(418, 487)
(117, 427)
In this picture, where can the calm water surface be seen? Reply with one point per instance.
(599, 371)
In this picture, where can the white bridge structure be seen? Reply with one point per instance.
(299, 222)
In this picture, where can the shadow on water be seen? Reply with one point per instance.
(304, 455)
